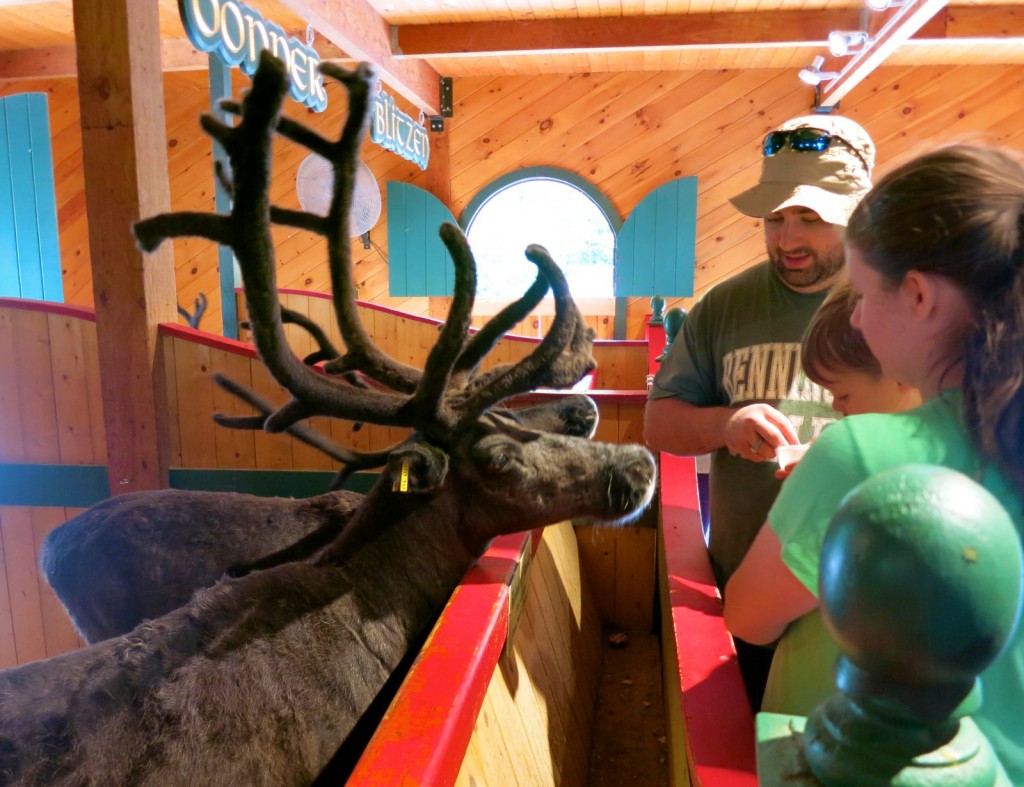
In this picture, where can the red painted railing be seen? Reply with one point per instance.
(425, 733)
(719, 724)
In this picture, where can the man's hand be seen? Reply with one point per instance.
(755, 431)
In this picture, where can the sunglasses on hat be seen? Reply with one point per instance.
(803, 139)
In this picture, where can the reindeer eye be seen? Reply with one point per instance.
(498, 462)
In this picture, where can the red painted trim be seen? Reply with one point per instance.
(719, 723)
(208, 339)
(425, 733)
(655, 344)
(50, 307)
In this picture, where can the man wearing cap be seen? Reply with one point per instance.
(731, 384)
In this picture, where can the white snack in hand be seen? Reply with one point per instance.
(789, 455)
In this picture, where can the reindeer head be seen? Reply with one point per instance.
(445, 403)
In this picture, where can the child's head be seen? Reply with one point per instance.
(835, 356)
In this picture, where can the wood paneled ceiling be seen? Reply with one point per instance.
(415, 41)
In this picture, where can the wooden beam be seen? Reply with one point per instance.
(124, 143)
(691, 31)
(360, 31)
(776, 28)
(176, 54)
(898, 28)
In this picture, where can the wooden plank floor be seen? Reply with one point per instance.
(629, 745)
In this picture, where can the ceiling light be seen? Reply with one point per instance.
(846, 42)
(881, 5)
(813, 75)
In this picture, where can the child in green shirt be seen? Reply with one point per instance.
(834, 355)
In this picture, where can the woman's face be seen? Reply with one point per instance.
(881, 316)
(915, 329)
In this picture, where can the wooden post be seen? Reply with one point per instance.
(120, 87)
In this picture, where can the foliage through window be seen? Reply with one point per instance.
(558, 213)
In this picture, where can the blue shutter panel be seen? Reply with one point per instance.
(418, 262)
(656, 247)
(29, 247)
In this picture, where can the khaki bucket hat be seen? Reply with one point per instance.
(830, 181)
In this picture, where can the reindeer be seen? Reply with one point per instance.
(141, 555)
(259, 678)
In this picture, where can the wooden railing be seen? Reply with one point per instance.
(710, 722)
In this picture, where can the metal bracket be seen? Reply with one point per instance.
(447, 109)
(818, 108)
(436, 123)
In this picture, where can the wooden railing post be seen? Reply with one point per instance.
(920, 585)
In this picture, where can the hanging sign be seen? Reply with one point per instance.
(394, 130)
(236, 34)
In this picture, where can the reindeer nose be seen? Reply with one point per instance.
(632, 484)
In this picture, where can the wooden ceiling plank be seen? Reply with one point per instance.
(990, 21)
(360, 31)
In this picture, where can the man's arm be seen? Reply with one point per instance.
(682, 428)
(753, 431)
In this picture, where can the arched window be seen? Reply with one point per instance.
(554, 208)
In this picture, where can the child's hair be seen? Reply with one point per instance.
(831, 345)
(958, 212)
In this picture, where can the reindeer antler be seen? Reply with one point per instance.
(448, 393)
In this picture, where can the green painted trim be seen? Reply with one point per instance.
(620, 326)
(62, 486)
(220, 88)
(551, 173)
(80, 486)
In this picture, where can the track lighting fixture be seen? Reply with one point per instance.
(846, 42)
(813, 75)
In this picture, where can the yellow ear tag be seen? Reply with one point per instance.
(403, 485)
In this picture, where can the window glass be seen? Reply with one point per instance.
(558, 215)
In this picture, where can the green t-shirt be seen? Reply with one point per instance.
(844, 455)
(739, 345)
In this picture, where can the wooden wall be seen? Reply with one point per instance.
(626, 132)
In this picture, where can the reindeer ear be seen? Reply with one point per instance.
(417, 467)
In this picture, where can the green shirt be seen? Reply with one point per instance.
(844, 455)
(739, 345)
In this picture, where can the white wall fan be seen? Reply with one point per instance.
(314, 185)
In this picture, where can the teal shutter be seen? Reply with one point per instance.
(29, 248)
(418, 262)
(656, 247)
